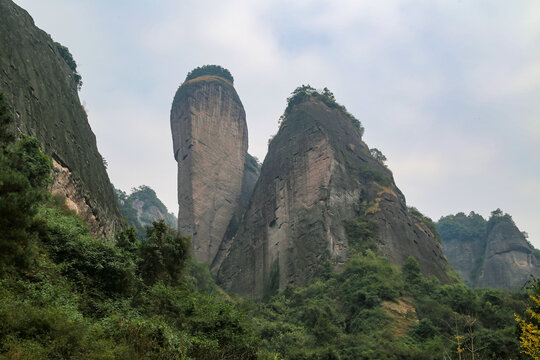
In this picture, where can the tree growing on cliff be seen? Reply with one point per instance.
(68, 58)
(301, 93)
(378, 155)
(498, 216)
(215, 70)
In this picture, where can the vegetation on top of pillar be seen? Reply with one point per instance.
(304, 92)
(214, 70)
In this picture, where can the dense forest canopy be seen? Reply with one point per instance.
(462, 227)
(470, 227)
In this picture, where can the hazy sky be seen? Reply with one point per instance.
(448, 90)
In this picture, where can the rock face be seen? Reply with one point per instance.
(42, 90)
(142, 207)
(497, 257)
(509, 259)
(318, 173)
(210, 142)
(252, 170)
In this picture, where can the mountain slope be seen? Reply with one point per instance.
(142, 207)
(490, 253)
(41, 88)
(317, 174)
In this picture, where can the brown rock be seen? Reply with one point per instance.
(316, 174)
(42, 91)
(210, 142)
(500, 258)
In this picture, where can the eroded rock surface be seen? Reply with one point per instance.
(501, 257)
(318, 173)
(252, 170)
(210, 142)
(42, 91)
(509, 259)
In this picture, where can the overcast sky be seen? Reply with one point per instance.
(448, 90)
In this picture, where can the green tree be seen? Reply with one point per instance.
(378, 155)
(127, 240)
(304, 92)
(6, 136)
(462, 227)
(163, 254)
(24, 173)
(529, 324)
(68, 58)
(411, 271)
(215, 70)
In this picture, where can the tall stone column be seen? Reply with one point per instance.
(210, 140)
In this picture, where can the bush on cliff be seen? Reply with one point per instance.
(214, 70)
(304, 92)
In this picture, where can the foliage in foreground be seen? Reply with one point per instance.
(374, 310)
(529, 324)
(67, 295)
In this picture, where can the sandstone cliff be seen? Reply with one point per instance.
(318, 173)
(42, 90)
(252, 170)
(142, 207)
(490, 253)
(210, 142)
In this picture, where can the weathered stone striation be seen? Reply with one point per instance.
(318, 172)
(252, 170)
(502, 259)
(40, 87)
(210, 140)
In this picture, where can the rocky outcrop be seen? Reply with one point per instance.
(465, 257)
(210, 142)
(318, 173)
(142, 207)
(42, 91)
(509, 259)
(499, 256)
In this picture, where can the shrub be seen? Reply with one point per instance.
(304, 92)
(163, 254)
(68, 58)
(215, 70)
